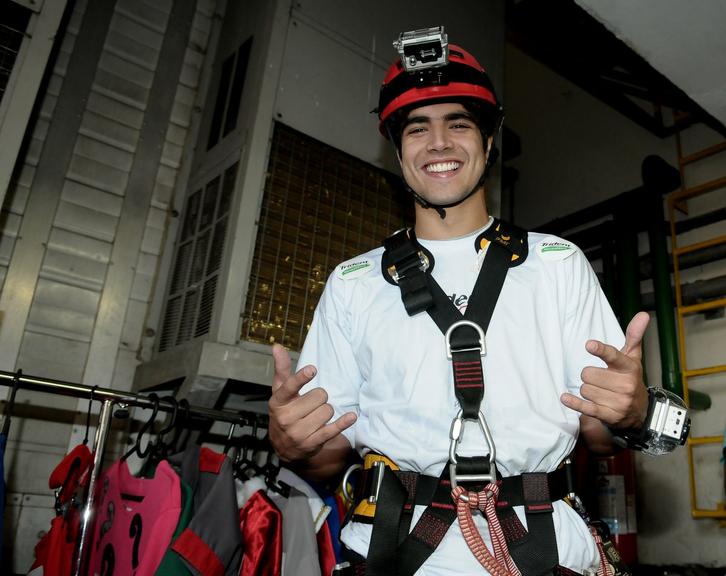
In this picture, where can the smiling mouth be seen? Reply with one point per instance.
(442, 167)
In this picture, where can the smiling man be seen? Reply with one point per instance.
(396, 363)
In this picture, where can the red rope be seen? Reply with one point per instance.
(605, 569)
(500, 563)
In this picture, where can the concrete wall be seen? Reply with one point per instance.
(575, 152)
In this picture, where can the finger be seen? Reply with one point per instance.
(283, 365)
(588, 408)
(634, 335)
(333, 429)
(301, 407)
(613, 357)
(608, 380)
(290, 388)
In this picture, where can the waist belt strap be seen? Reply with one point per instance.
(399, 491)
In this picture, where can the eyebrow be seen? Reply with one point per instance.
(447, 118)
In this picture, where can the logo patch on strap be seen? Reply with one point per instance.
(554, 249)
(354, 268)
(510, 237)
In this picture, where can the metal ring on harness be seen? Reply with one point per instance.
(346, 477)
(447, 338)
(457, 429)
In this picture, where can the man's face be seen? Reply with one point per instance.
(442, 152)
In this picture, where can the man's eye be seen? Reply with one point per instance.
(461, 125)
(415, 130)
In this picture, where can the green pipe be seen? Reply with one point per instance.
(626, 245)
(663, 294)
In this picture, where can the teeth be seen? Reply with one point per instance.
(442, 167)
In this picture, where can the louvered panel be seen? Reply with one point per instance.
(101, 201)
(85, 221)
(200, 258)
(117, 87)
(115, 110)
(106, 155)
(97, 175)
(320, 207)
(121, 44)
(79, 245)
(170, 323)
(206, 307)
(74, 270)
(182, 265)
(216, 251)
(129, 71)
(12, 32)
(188, 318)
(139, 31)
(52, 356)
(152, 15)
(109, 131)
(63, 310)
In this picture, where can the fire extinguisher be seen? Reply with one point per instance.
(616, 501)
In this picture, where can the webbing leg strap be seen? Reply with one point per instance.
(534, 549)
(393, 550)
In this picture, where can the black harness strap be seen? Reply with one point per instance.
(407, 264)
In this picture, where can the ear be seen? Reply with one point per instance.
(490, 141)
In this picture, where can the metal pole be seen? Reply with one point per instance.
(87, 517)
(663, 298)
(48, 385)
(627, 255)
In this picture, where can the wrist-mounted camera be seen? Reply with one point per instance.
(421, 49)
(665, 428)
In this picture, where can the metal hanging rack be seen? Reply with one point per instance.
(108, 398)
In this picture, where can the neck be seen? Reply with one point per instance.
(460, 220)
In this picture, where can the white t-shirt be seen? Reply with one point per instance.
(392, 371)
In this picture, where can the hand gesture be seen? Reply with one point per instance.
(615, 395)
(299, 423)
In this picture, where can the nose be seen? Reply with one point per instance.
(439, 137)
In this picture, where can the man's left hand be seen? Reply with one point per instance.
(615, 395)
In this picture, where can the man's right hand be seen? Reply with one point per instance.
(299, 425)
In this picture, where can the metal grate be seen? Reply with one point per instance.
(321, 207)
(13, 26)
(199, 252)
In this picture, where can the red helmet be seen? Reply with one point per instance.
(461, 78)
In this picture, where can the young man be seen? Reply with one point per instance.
(376, 379)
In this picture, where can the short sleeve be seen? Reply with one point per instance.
(328, 347)
(588, 316)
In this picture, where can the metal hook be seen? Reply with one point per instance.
(11, 402)
(136, 448)
(88, 414)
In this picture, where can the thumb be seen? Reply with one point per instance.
(283, 365)
(634, 335)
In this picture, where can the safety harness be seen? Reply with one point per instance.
(386, 496)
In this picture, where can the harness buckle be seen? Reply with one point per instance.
(379, 468)
(420, 260)
(482, 343)
(457, 431)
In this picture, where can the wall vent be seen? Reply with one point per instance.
(197, 261)
(321, 206)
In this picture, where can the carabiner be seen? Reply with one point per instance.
(457, 431)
